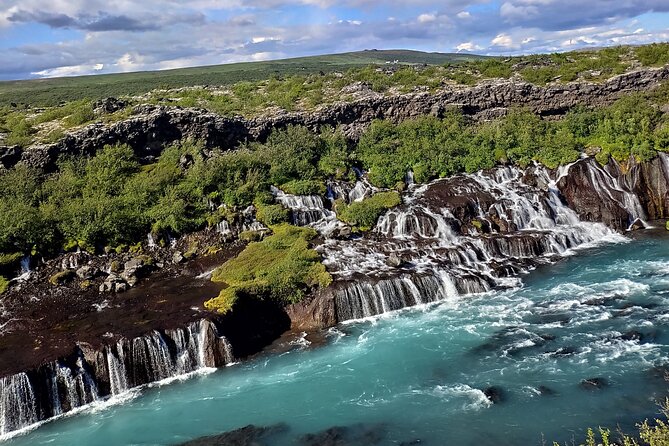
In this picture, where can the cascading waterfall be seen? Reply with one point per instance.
(57, 388)
(608, 188)
(305, 209)
(427, 254)
(17, 403)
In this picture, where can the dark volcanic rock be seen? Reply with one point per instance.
(246, 436)
(594, 383)
(585, 191)
(355, 435)
(495, 394)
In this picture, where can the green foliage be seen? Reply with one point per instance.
(282, 267)
(304, 187)
(4, 284)
(272, 214)
(364, 214)
(655, 433)
(112, 200)
(655, 54)
(19, 129)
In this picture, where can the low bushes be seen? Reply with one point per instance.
(364, 214)
(281, 267)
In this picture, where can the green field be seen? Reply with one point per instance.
(50, 92)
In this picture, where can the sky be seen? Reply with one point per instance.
(47, 38)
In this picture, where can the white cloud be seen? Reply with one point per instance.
(427, 18)
(503, 40)
(468, 46)
(463, 15)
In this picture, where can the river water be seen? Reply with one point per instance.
(419, 374)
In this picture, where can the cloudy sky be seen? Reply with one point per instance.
(43, 38)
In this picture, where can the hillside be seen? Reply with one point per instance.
(49, 92)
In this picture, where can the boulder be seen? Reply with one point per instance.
(87, 272)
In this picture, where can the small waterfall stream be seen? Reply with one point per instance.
(59, 387)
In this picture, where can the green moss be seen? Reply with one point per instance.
(62, 277)
(120, 249)
(191, 252)
(115, 266)
(4, 284)
(224, 301)
(136, 248)
(251, 236)
(666, 226)
(364, 214)
(281, 267)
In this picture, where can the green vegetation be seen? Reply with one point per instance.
(4, 284)
(364, 214)
(654, 433)
(51, 92)
(111, 200)
(304, 84)
(282, 267)
(304, 187)
(62, 277)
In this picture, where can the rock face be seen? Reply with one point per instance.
(152, 127)
(618, 196)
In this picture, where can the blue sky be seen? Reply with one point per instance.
(40, 38)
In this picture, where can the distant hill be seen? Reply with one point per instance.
(49, 92)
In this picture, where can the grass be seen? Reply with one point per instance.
(282, 267)
(52, 92)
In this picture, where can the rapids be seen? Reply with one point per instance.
(421, 373)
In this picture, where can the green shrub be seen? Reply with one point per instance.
(272, 214)
(4, 284)
(654, 54)
(281, 267)
(304, 187)
(364, 214)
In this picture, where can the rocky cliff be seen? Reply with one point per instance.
(151, 127)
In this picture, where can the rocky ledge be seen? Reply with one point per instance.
(151, 127)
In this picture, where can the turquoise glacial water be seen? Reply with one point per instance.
(418, 373)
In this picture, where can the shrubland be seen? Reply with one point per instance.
(281, 267)
(309, 89)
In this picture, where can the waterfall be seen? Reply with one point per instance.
(434, 246)
(151, 241)
(305, 209)
(61, 386)
(17, 403)
(26, 271)
(360, 191)
(608, 188)
(223, 227)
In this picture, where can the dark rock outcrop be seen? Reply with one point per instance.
(246, 436)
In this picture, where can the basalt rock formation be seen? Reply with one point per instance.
(151, 127)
